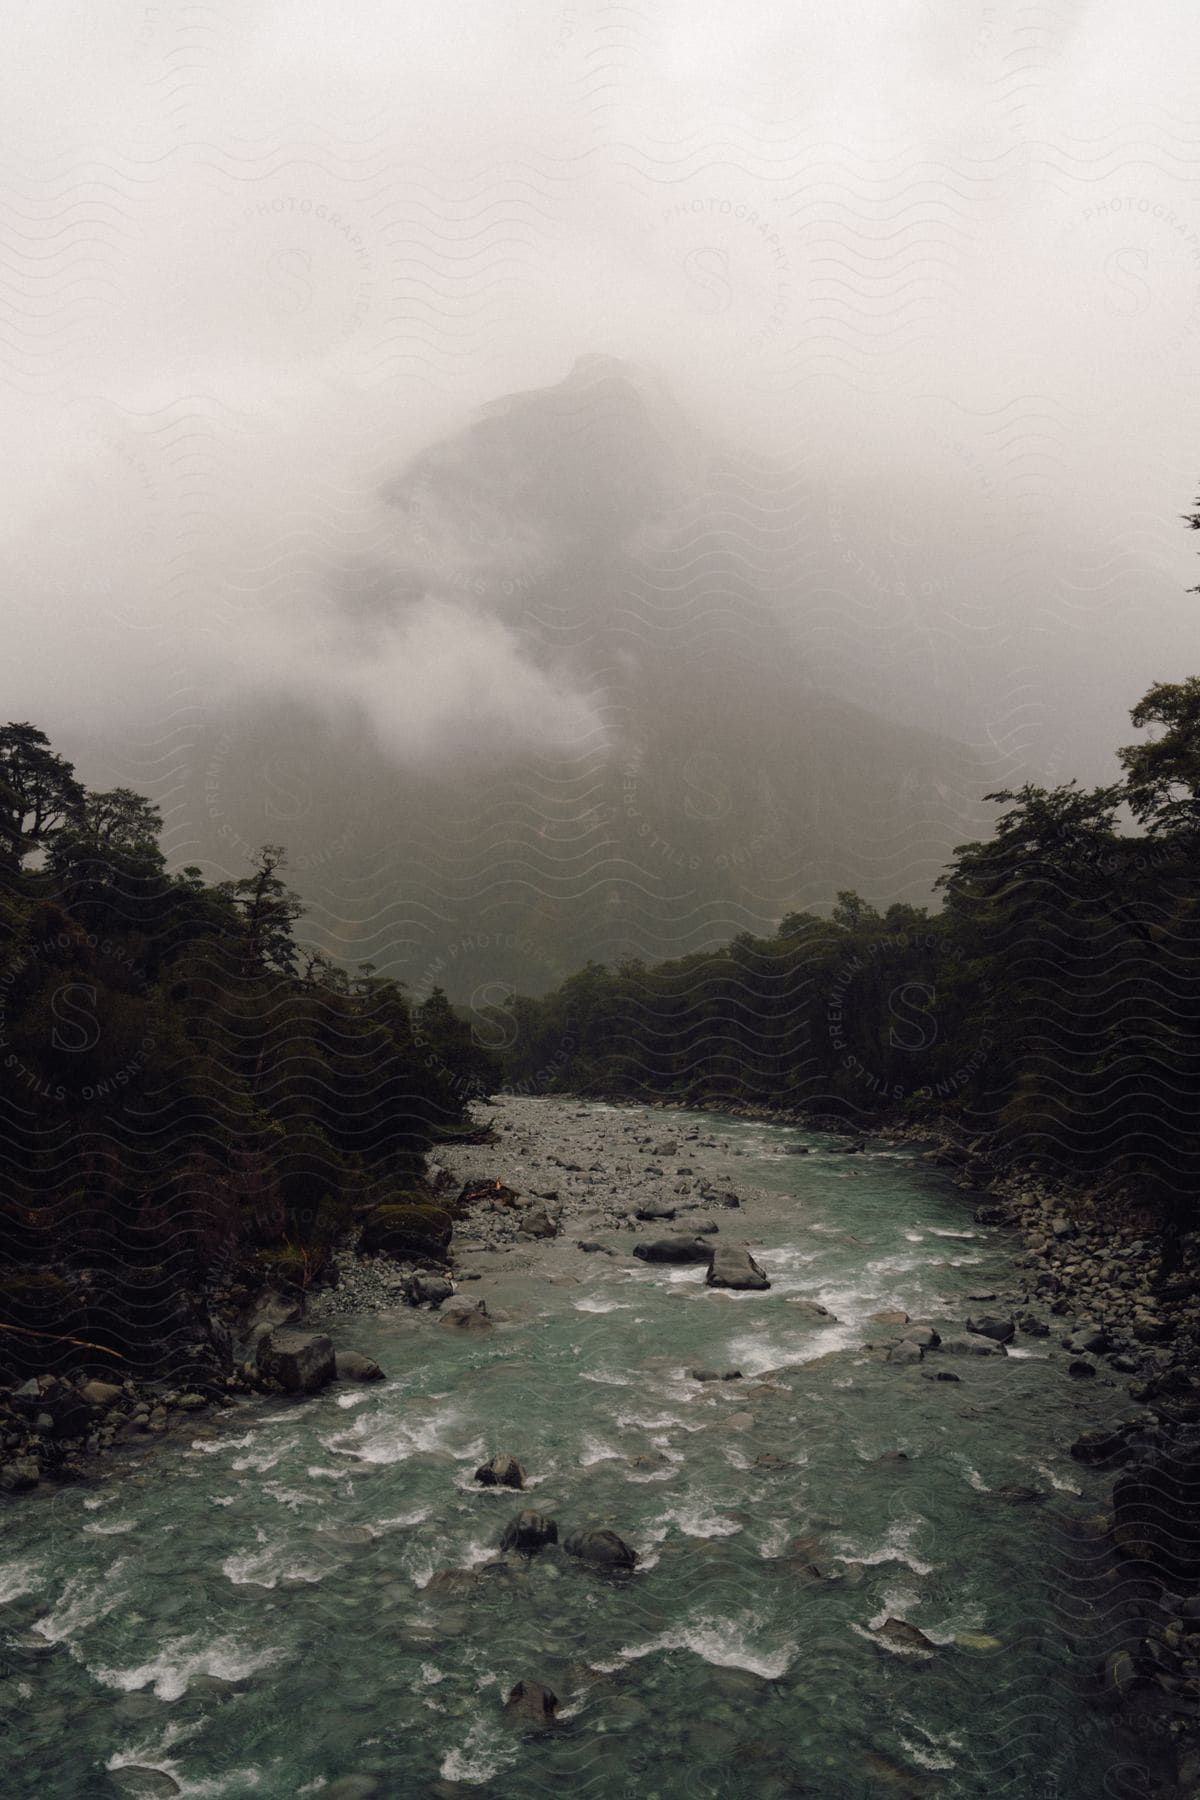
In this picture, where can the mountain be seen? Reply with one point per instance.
(674, 777)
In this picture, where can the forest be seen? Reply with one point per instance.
(1050, 1007)
(182, 1087)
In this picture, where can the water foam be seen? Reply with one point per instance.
(17, 1578)
(720, 1642)
(177, 1660)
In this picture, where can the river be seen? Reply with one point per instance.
(248, 1609)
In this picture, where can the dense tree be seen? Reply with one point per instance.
(38, 793)
(181, 1083)
(1052, 1007)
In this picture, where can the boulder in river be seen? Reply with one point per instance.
(905, 1352)
(734, 1268)
(601, 1547)
(924, 1335)
(138, 1779)
(971, 1343)
(465, 1315)
(302, 1362)
(530, 1701)
(351, 1365)
(812, 1309)
(674, 1249)
(902, 1636)
(1001, 1330)
(428, 1290)
(501, 1471)
(529, 1531)
(593, 1246)
(538, 1224)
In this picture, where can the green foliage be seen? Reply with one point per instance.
(1052, 1007)
(179, 1080)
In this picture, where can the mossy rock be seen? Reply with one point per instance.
(408, 1231)
(291, 1265)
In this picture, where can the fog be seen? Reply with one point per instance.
(913, 291)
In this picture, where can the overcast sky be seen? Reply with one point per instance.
(935, 265)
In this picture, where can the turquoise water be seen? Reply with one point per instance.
(288, 1552)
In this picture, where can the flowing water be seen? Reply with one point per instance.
(288, 1552)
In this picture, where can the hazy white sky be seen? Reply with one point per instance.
(936, 265)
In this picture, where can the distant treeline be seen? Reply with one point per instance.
(180, 1083)
(1052, 1005)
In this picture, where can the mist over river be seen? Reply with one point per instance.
(256, 1606)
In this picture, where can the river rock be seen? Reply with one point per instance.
(715, 1374)
(455, 1582)
(971, 1343)
(135, 1778)
(538, 1224)
(1087, 1337)
(602, 1547)
(1100, 1446)
(530, 1701)
(465, 1315)
(203, 1686)
(653, 1211)
(1118, 1675)
(350, 1365)
(734, 1268)
(924, 1335)
(100, 1394)
(906, 1352)
(302, 1362)
(268, 1310)
(904, 1636)
(1002, 1330)
(592, 1246)
(674, 1249)
(501, 1471)
(529, 1531)
(894, 1317)
(811, 1309)
(18, 1476)
(428, 1290)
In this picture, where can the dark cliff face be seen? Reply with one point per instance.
(702, 785)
